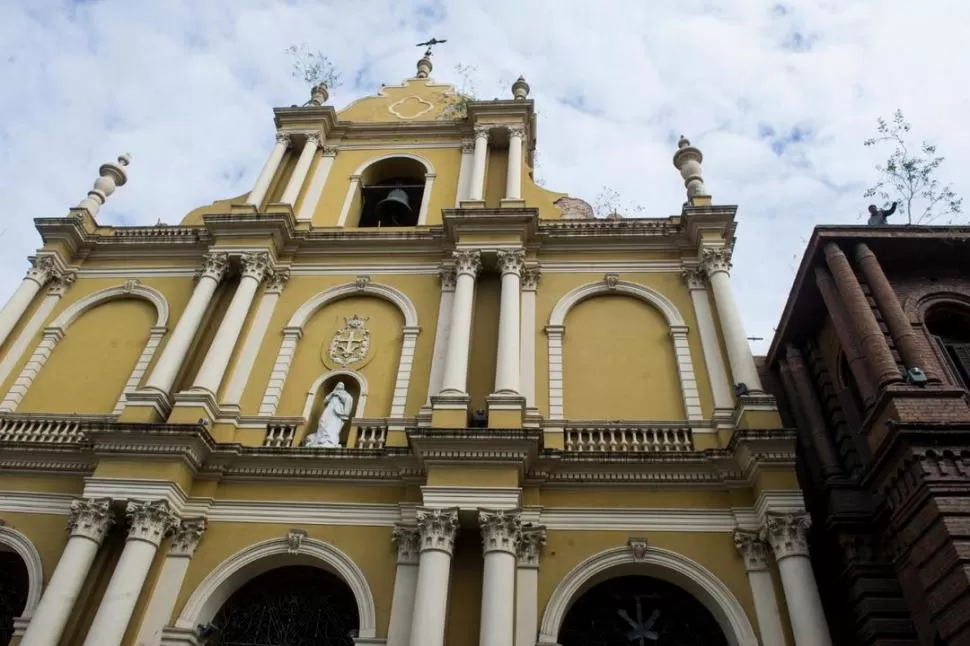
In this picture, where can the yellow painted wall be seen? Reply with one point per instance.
(495, 176)
(463, 621)
(482, 354)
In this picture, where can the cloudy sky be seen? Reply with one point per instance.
(777, 94)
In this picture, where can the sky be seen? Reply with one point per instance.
(779, 96)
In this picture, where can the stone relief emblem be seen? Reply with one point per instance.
(350, 343)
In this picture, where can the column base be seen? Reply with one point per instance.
(505, 410)
(243, 209)
(449, 410)
(507, 203)
(532, 418)
(757, 411)
(280, 208)
(193, 405)
(146, 406)
(554, 435)
(471, 204)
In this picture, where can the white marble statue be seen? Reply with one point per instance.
(337, 406)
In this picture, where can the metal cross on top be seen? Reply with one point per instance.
(431, 43)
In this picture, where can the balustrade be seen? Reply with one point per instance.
(46, 429)
(628, 438)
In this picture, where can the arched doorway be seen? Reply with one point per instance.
(14, 589)
(639, 611)
(295, 605)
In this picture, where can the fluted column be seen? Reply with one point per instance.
(476, 188)
(408, 541)
(788, 536)
(531, 542)
(149, 523)
(447, 276)
(754, 551)
(293, 186)
(527, 336)
(214, 267)
(37, 276)
(254, 267)
(166, 590)
(88, 522)
(843, 329)
(717, 265)
(500, 540)
(468, 262)
(437, 529)
(513, 178)
(707, 330)
(258, 194)
(510, 265)
(882, 366)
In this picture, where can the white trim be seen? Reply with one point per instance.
(141, 366)
(442, 330)
(256, 559)
(471, 498)
(382, 146)
(662, 564)
(304, 513)
(589, 290)
(779, 500)
(24, 548)
(527, 346)
(314, 190)
(250, 348)
(31, 502)
(428, 166)
(352, 188)
(155, 297)
(135, 489)
(346, 372)
(464, 176)
(425, 199)
(388, 293)
(647, 520)
(613, 266)
(711, 348)
(28, 333)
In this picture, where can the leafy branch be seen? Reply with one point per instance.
(313, 67)
(466, 92)
(609, 203)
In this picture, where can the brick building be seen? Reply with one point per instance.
(871, 362)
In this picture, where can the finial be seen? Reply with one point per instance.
(424, 65)
(520, 89)
(688, 160)
(111, 176)
(318, 95)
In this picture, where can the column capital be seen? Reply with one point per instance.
(330, 151)
(60, 281)
(516, 130)
(256, 264)
(437, 528)
(500, 530)
(511, 261)
(483, 131)
(408, 539)
(277, 281)
(283, 138)
(214, 266)
(530, 278)
(90, 518)
(150, 521)
(467, 261)
(447, 276)
(467, 146)
(42, 269)
(753, 550)
(693, 278)
(786, 533)
(715, 260)
(187, 536)
(531, 542)
(314, 138)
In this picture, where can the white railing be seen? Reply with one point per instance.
(43, 430)
(634, 439)
(371, 435)
(279, 434)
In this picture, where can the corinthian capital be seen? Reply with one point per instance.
(256, 264)
(277, 281)
(516, 130)
(408, 539)
(500, 531)
(60, 281)
(437, 528)
(283, 138)
(187, 537)
(531, 542)
(787, 533)
(468, 261)
(511, 261)
(150, 521)
(715, 260)
(90, 518)
(43, 268)
(530, 278)
(753, 550)
(483, 132)
(214, 265)
(446, 274)
(693, 277)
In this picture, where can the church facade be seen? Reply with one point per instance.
(400, 394)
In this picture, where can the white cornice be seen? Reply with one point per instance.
(594, 266)
(30, 502)
(411, 146)
(306, 513)
(643, 520)
(472, 498)
(135, 489)
(786, 501)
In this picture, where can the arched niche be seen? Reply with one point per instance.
(356, 385)
(375, 178)
(79, 313)
(611, 285)
(658, 563)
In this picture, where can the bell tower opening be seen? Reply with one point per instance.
(391, 193)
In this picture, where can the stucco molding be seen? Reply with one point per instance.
(388, 293)
(471, 498)
(128, 290)
(262, 557)
(304, 513)
(18, 543)
(659, 563)
(648, 519)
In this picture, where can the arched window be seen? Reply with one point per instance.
(391, 192)
(950, 327)
(14, 586)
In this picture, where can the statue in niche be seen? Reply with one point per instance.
(337, 406)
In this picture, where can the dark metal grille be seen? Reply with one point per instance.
(289, 606)
(14, 585)
(639, 611)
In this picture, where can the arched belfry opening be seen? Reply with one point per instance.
(950, 327)
(391, 193)
(14, 589)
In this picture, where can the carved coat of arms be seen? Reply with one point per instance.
(351, 342)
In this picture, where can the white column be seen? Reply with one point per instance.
(154, 340)
(464, 171)
(254, 338)
(717, 265)
(266, 175)
(149, 522)
(88, 522)
(513, 178)
(437, 529)
(43, 351)
(447, 277)
(426, 198)
(477, 187)
(788, 536)
(527, 585)
(527, 336)
(292, 190)
(716, 371)
(173, 355)
(254, 267)
(319, 179)
(467, 264)
(349, 200)
(510, 265)
(402, 382)
(500, 538)
(57, 286)
(169, 582)
(405, 583)
(21, 299)
(755, 554)
(281, 368)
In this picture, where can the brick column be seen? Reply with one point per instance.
(811, 409)
(871, 339)
(843, 329)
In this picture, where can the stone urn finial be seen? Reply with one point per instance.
(319, 94)
(688, 160)
(424, 65)
(111, 176)
(520, 89)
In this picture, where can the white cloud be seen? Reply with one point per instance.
(187, 87)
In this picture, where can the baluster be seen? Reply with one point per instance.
(612, 433)
(602, 435)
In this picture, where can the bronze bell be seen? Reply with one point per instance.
(395, 209)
